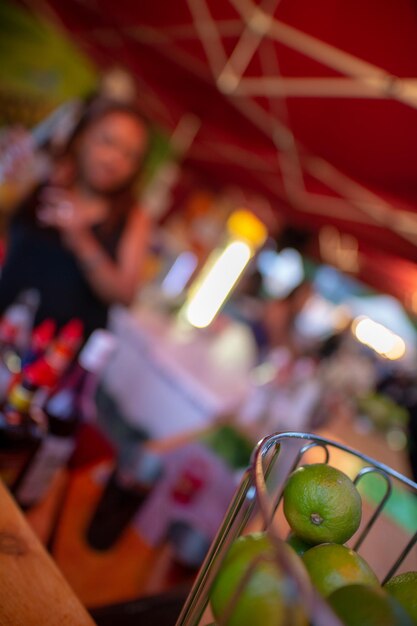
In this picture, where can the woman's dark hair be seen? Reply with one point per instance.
(124, 198)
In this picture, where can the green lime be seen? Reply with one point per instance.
(331, 566)
(404, 589)
(362, 605)
(267, 597)
(298, 544)
(322, 504)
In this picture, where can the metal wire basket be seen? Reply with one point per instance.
(257, 506)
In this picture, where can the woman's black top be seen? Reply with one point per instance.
(36, 258)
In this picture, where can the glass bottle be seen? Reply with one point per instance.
(21, 432)
(41, 339)
(133, 479)
(15, 330)
(62, 413)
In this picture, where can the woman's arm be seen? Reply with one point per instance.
(113, 281)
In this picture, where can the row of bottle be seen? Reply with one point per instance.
(40, 412)
(41, 386)
(22, 425)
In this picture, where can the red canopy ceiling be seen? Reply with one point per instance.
(311, 104)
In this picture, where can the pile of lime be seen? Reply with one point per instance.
(323, 509)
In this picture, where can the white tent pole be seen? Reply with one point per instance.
(384, 214)
(209, 35)
(311, 87)
(360, 197)
(327, 54)
(307, 44)
(243, 53)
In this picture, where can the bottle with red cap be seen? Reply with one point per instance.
(22, 424)
(64, 348)
(62, 413)
(21, 432)
(57, 359)
(41, 339)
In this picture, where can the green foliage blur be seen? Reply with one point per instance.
(40, 68)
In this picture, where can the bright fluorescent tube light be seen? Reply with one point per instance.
(379, 338)
(215, 285)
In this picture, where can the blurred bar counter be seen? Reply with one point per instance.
(169, 380)
(32, 589)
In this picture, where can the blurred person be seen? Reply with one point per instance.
(285, 390)
(80, 238)
(270, 320)
(276, 327)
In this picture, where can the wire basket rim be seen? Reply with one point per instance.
(267, 442)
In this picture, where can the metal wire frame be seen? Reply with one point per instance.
(252, 494)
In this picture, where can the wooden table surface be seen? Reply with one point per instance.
(33, 592)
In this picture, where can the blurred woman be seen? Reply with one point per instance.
(80, 239)
(276, 327)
